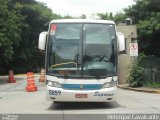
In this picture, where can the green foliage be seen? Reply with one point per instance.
(21, 21)
(118, 18)
(153, 85)
(149, 31)
(83, 16)
(105, 16)
(28, 56)
(67, 17)
(10, 30)
(146, 14)
(136, 78)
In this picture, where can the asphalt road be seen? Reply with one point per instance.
(15, 100)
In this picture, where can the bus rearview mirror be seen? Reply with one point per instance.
(121, 42)
(42, 40)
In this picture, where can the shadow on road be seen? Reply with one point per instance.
(83, 105)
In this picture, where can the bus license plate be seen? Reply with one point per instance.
(81, 96)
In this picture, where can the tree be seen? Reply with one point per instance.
(83, 16)
(10, 24)
(104, 16)
(21, 21)
(67, 17)
(118, 18)
(146, 14)
(28, 56)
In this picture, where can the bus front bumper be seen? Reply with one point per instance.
(63, 95)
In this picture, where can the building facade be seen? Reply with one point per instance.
(125, 60)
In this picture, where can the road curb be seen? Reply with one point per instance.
(146, 90)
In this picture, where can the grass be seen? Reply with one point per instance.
(153, 85)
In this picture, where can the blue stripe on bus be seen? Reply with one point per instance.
(81, 86)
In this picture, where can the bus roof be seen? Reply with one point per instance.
(82, 21)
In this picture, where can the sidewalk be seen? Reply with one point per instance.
(140, 89)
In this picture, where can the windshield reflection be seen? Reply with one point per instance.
(77, 52)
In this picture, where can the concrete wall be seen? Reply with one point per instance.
(125, 60)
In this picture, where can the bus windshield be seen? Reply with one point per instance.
(82, 50)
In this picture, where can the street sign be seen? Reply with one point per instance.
(133, 49)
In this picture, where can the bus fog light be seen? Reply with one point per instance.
(53, 84)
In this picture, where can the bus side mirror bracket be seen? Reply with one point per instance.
(121, 43)
(42, 40)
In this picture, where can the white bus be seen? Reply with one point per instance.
(81, 60)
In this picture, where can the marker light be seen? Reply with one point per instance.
(53, 27)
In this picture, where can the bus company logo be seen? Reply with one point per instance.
(81, 86)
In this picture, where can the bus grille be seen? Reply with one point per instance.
(81, 86)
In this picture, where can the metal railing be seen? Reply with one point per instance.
(151, 65)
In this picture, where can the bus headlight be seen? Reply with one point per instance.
(109, 84)
(53, 83)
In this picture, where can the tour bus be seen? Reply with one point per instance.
(81, 60)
